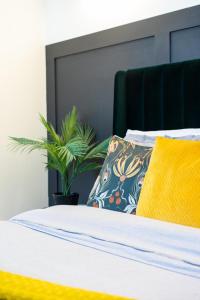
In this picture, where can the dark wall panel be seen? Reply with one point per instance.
(185, 44)
(87, 81)
(81, 71)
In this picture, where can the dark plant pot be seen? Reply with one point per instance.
(60, 199)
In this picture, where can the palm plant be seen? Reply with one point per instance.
(72, 152)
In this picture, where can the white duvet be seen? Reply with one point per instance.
(102, 250)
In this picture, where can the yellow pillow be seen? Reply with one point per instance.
(171, 188)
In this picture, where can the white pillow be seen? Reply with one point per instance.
(149, 141)
(170, 133)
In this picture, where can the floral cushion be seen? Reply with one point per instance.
(119, 183)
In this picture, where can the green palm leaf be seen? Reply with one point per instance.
(86, 133)
(25, 144)
(99, 151)
(68, 127)
(52, 133)
(74, 148)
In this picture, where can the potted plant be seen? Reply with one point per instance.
(70, 153)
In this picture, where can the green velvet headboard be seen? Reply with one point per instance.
(159, 97)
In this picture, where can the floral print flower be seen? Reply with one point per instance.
(113, 146)
(111, 199)
(123, 172)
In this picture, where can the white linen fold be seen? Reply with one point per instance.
(161, 244)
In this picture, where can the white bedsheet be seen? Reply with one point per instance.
(165, 245)
(38, 255)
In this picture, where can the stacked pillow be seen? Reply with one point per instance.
(119, 183)
(171, 190)
(149, 137)
(170, 133)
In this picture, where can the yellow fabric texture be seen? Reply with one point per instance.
(171, 188)
(17, 287)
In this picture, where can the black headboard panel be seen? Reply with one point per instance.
(161, 97)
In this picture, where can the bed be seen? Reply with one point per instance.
(109, 252)
(44, 253)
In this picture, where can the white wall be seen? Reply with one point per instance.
(67, 19)
(23, 181)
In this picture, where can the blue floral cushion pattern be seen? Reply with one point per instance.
(119, 183)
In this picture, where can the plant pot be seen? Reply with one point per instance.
(60, 199)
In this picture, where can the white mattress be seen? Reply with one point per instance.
(32, 253)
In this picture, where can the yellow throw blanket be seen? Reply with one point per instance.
(17, 287)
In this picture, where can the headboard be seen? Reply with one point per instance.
(155, 98)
